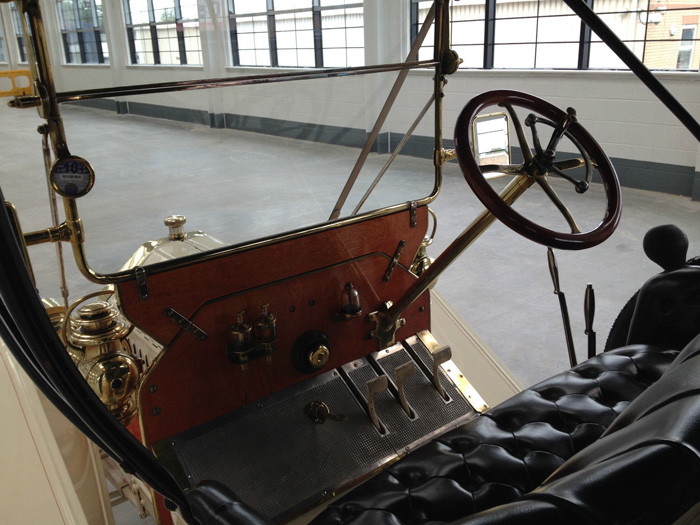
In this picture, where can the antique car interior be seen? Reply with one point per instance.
(317, 342)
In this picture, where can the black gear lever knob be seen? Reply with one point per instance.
(667, 246)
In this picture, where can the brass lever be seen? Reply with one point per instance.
(440, 356)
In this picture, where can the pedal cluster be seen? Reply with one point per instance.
(348, 422)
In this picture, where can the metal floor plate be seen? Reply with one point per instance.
(277, 460)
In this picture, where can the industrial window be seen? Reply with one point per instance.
(3, 49)
(82, 30)
(547, 34)
(163, 32)
(686, 47)
(19, 33)
(296, 33)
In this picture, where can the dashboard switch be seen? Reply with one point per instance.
(311, 352)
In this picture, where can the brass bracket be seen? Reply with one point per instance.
(442, 156)
(188, 325)
(394, 261)
(25, 101)
(54, 234)
(453, 372)
(414, 214)
(385, 337)
(141, 283)
(75, 227)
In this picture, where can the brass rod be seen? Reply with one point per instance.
(394, 154)
(441, 47)
(510, 193)
(191, 85)
(46, 150)
(383, 114)
(54, 234)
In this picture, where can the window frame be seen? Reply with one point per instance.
(687, 45)
(97, 30)
(316, 10)
(4, 52)
(153, 25)
(19, 34)
(586, 40)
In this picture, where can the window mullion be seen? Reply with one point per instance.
(318, 33)
(272, 33)
(132, 44)
(180, 31)
(584, 45)
(66, 46)
(98, 46)
(233, 34)
(489, 32)
(154, 32)
(81, 47)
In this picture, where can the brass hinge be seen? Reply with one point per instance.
(394, 261)
(188, 325)
(442, 156)
(141, 283)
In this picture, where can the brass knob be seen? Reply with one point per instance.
(311, 352)
(319, 357)
(176, 225)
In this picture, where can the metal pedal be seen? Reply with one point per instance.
(402, 373)
(375, 386)
(440, 356)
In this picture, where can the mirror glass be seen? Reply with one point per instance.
(491, 139)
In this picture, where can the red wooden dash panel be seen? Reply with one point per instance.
(186, 289)
(195, 382)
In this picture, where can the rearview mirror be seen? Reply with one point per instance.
(491, 139)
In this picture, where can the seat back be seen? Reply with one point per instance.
(644, 469)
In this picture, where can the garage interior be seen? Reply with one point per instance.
(270, 159)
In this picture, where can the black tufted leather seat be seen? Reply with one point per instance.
(614, 440)
(509, 451)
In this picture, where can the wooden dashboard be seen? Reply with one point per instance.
(301, 279)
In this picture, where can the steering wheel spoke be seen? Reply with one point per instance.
(508, 169)
(539, 165)
(544, 184)
(569, 164)
(522, 139)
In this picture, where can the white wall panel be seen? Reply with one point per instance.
(621, 112)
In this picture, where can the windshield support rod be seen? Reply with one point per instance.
(394, 154)
(383, 114)
(387, 320)
(247, 80)
(636, 66)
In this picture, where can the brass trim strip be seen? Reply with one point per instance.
(453, 372)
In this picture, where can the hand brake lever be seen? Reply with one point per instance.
(589, 313)
(554, 272)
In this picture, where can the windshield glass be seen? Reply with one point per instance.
(276, 159)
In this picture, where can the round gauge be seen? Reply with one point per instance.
(72, 176)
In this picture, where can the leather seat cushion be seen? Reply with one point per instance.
(508, 451)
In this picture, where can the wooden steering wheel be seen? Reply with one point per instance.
(538, 165)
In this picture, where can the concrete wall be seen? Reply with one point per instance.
(650, 147)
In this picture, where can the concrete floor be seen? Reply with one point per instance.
(501, 285)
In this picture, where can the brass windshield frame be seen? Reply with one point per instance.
(47, 100)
